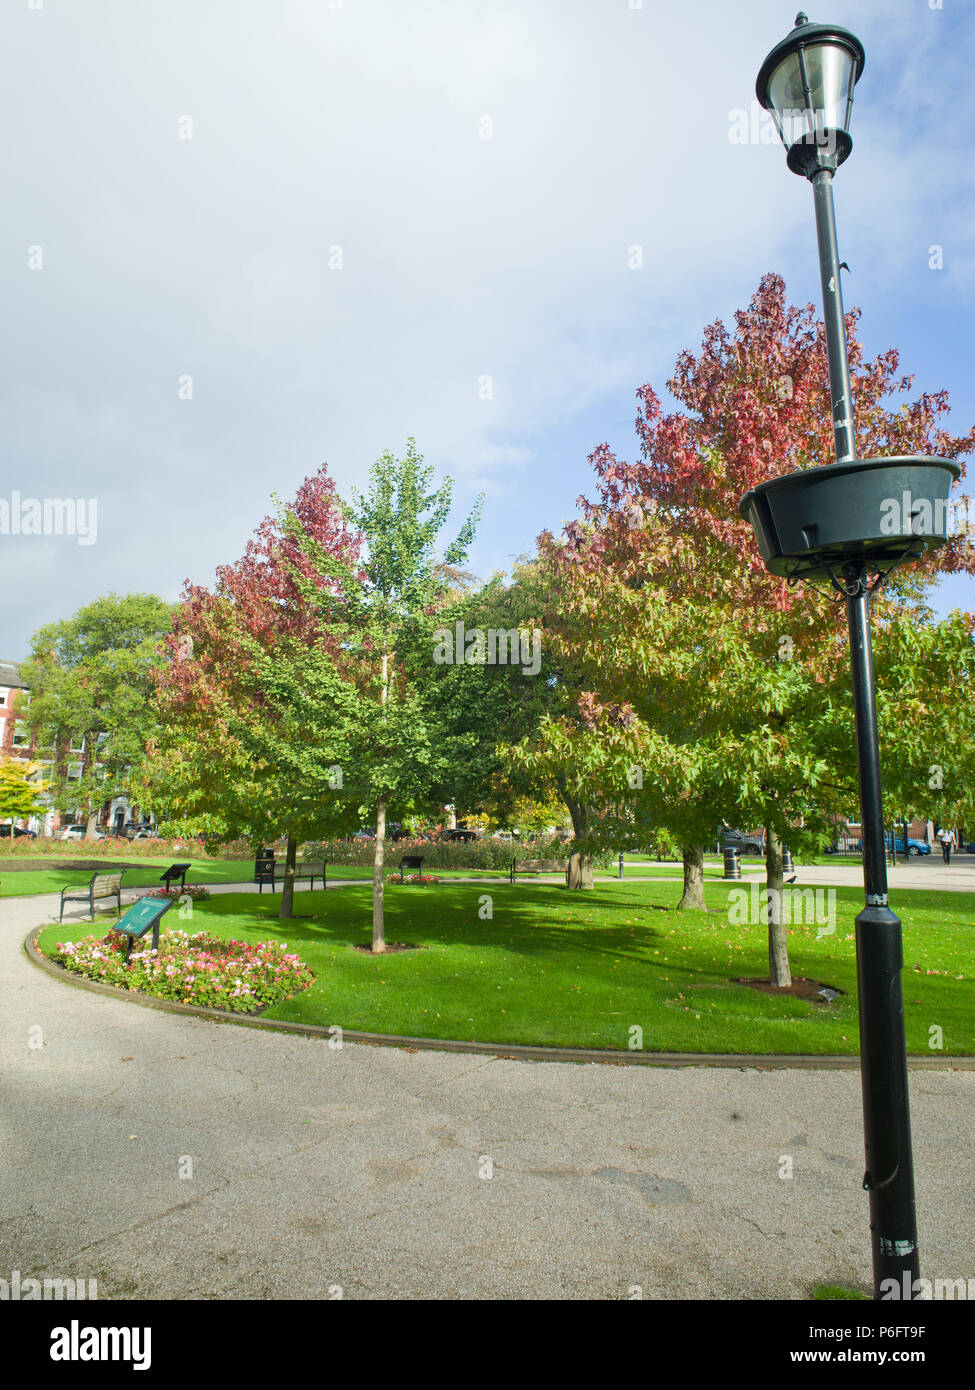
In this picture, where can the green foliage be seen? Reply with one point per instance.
(90, 679)
(21, 793)
(487, 854)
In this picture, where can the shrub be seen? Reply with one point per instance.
(450, 854)
(112, 847)
(233, 975)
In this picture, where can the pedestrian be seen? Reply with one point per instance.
(947, 838)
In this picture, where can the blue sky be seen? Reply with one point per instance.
(381, 204)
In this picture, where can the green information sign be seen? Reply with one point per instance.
(143, 915)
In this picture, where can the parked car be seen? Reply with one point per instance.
(745, 842)
(77, 832)
(463, 835)
(914, 847)
(147, 832)
(14, 832)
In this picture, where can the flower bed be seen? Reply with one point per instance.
(195, 891)
(413, 878)
(196, 969)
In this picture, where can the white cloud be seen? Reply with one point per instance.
(462, 257)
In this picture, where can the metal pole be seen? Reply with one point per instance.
(889, 1178)
(833, 316)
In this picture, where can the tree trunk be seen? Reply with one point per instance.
(92, 825)
(580, 862)
(778, 946)
(693, 856)
(378, 922)
(288, 887)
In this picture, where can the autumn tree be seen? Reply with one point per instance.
(256, 701)
(764, 686)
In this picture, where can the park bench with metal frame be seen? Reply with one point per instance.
(411, 862)
(101, 886)
(539, 866)
(309, 871)
(139, 918)
(173, 872)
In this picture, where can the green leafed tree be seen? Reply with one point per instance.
(409, 579)
(21, 790)
(90, 679)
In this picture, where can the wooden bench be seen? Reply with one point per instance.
(173, 872)
(139, 918)
(311, 871)
(540, 866)
(412, 863)
(101, 886)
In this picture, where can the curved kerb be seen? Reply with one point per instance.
(514, 1051)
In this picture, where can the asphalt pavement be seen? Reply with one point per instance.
(170, 1157)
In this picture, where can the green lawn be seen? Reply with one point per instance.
(560, 968)
(141, 873)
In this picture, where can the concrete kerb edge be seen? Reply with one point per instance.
(504, 1051)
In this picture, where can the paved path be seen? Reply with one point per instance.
(361, 1168)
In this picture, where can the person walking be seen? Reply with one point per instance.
(947, 838)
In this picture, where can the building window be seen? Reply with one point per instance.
(77, 744)
(21, 735)
(74, 772)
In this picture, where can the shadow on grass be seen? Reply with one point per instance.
(533, 922)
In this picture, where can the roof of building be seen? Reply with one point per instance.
(10, 675)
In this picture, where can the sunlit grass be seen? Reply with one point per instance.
(585, 968)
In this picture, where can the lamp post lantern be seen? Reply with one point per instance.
(831, 522)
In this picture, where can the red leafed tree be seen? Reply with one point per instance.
(754, 404)
(233, 757)
(757, 405)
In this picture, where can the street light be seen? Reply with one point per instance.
(807, 83)
(852, 522)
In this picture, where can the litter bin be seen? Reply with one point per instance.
(732, 868)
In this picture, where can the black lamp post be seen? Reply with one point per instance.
(834, 522)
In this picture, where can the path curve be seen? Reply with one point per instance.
(170, 1157)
